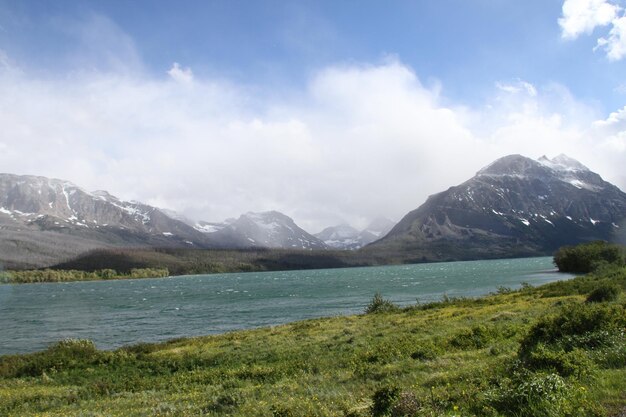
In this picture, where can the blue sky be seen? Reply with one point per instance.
(465, 45)
(140, 80)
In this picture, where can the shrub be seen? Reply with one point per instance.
(573, 363)
(588, 256)
(383, 400)
(540, 395)
(475, 338)
(576, 325)
(615, 275)
(604, 292)
(380, 305)
(424, 352)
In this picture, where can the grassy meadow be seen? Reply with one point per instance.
(555, 350)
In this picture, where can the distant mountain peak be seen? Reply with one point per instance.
(268, 229)
(344, 236)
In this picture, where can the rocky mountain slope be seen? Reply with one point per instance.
(347, 237)
(43, 220)
(269, 229)
(515, 206)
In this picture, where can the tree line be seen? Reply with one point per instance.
(54, 275)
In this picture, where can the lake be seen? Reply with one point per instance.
(117, 313)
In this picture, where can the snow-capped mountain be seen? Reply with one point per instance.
(342, 236)
(269, 229)
(48, 219)
(345, 236)
(514, 206)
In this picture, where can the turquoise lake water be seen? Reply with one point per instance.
(117, 313)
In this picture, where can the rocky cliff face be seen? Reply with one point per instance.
(515, 206)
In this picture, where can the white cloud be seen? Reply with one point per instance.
(358, 141)
(615, 43)
(517, 87)
(583, 16)
(181, 75)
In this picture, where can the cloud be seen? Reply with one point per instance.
(355, 142)
(583, 16)
(181, 75)
(615, 43)
(516, 87)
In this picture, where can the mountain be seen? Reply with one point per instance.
(345, 236)
(269, 229)
(516, 206)
(45, 220)
(342, 236)
(379, 227)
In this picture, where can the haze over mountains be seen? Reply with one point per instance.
(515, 206)
(345, 236)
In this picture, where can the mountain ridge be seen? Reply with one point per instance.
(516, 206)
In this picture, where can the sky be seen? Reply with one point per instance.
(328, 111)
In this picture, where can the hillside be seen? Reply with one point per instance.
(534, 352)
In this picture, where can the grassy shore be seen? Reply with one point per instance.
(554, 350)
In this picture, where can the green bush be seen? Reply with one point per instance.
(588, 257)
(426, 351)
(604, 292)
(383, 400)
(540, 395)
(379, 305)
(573, 363)
(576, 325)
(477, 337)
(615, 275)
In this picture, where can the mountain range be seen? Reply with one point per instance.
(44, 221)
(516, 206)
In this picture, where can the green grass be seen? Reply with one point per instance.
(520, 353)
